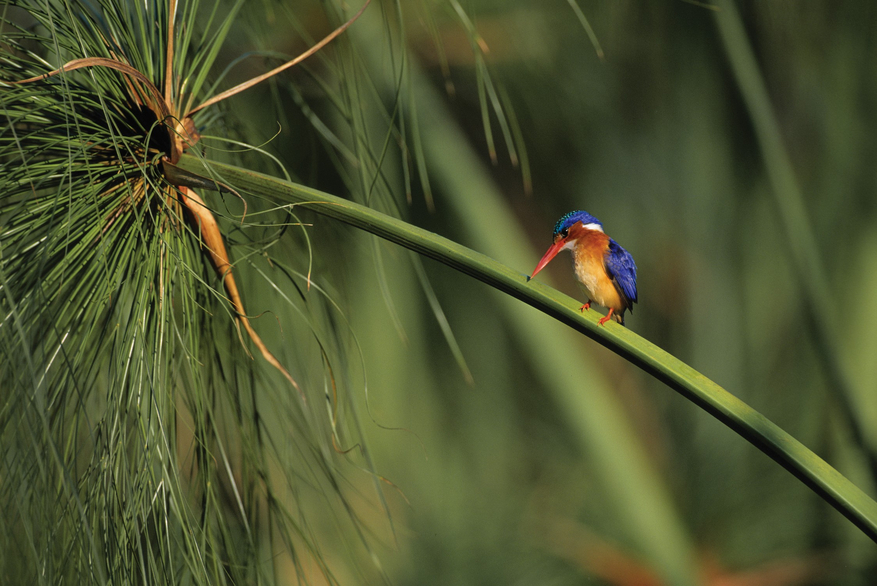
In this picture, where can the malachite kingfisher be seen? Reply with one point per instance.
(605, 270)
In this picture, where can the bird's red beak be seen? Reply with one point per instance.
(546, 258)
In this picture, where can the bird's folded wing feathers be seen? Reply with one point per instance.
(621, 268)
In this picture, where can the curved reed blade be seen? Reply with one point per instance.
(788, 452)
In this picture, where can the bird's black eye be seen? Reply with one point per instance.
(565, 232)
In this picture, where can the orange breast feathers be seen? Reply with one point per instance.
(588, 254)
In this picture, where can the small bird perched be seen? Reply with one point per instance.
(605, 270)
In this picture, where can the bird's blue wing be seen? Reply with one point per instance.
(621, 268)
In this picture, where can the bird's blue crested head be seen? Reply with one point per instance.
(572, 218)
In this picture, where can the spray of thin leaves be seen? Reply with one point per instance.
(183, 135)
(106, 255)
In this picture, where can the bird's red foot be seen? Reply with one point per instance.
(585, 306)
(603, 320)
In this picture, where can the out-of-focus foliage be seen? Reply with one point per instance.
(559, 462)
(657, 141)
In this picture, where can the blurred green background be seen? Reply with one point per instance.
(727, 145)
(559, 463)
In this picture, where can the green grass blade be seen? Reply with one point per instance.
(588, 29)
(814, 472)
